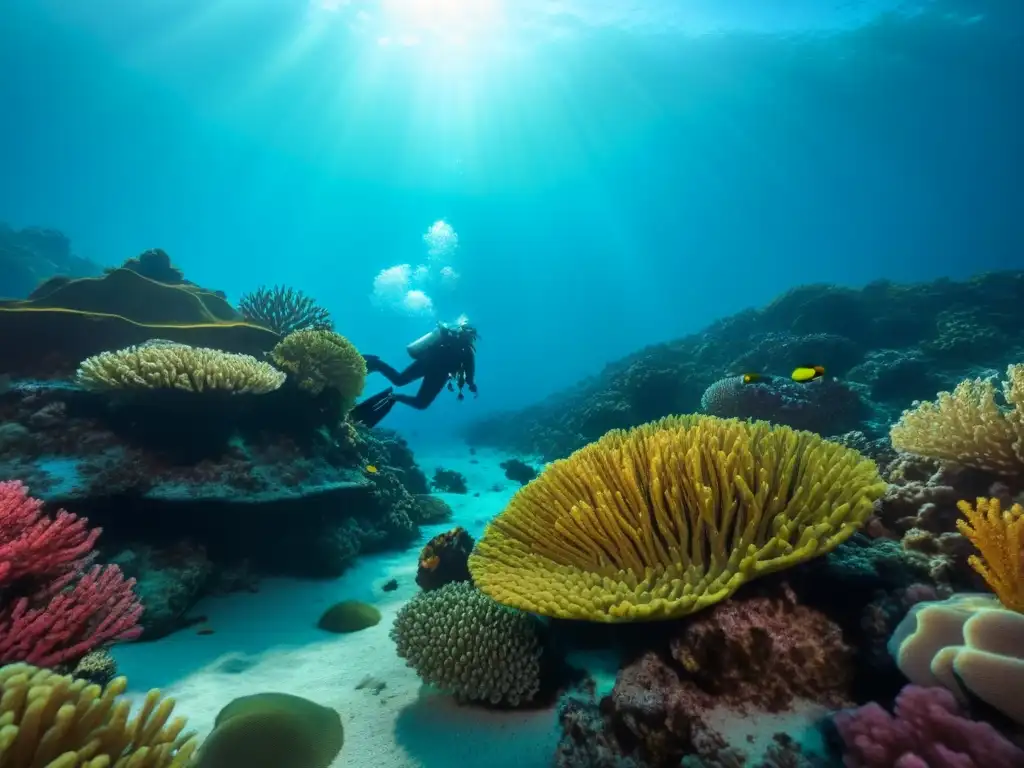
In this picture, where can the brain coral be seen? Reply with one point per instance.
(671, 517)
(459, 640)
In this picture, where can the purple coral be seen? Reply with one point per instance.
(825, 405)
(927, 730)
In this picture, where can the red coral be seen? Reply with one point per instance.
(50, 610)
(927, 730)
(32, 545)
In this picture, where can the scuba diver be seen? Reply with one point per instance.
(445, 355)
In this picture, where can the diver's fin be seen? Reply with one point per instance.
(373, 409)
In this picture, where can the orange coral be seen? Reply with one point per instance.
(999, 537)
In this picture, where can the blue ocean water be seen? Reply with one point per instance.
(578, 178)
(617, 173)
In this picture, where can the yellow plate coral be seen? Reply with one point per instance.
(665, 519)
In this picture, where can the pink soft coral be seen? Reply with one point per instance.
(927, 730)
(51, 610)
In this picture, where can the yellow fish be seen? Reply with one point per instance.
(371, 469)
(807, 373)
(750, 378)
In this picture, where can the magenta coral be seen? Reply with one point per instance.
(51, 611)
(926, 730)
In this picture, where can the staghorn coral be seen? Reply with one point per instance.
(319, 359)
(54, 721)
(167, 365)
(284, 310)
(459, 640)
(968, 426)
(999, 536)
(671, 517)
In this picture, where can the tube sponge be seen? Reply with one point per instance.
(168, 365)
(459, 640)
(671, 517)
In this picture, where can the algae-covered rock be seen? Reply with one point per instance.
(349, 616)
(273, 730)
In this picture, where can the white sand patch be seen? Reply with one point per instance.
(269, 641)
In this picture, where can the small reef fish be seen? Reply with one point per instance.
(371, 469)
(807, 373)
(750, 378)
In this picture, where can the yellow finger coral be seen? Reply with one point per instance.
(54, 721)
(999, 537)
(968, 426)
(318, 359)
(167, 365)
(671, 517)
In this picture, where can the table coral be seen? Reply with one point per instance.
(664, 520)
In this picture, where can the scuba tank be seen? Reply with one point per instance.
(428, 341)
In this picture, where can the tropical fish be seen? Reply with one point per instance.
(371, 469)
(807, 373)
(750, 378)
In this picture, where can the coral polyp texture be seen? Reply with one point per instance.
(49, 720)
(320, 359)
(999, 537)
(968, 426)
(284, 310)
(461, 641)
(668, 518)
(168, 365)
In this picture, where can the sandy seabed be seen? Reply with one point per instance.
(269, 641)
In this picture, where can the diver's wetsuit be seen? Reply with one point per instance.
(452, 358)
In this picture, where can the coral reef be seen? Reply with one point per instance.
(926, 730)
(448, 481)
(888, 343)
(969, 645)
(318, 359)
(824, 405)
(759, 653)
(284, 310)
(146, 403)
(31, 255)
(461, 641)
(518, 471)
(54, 607)
(669, 518)
(51, 717)
(445, 559)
